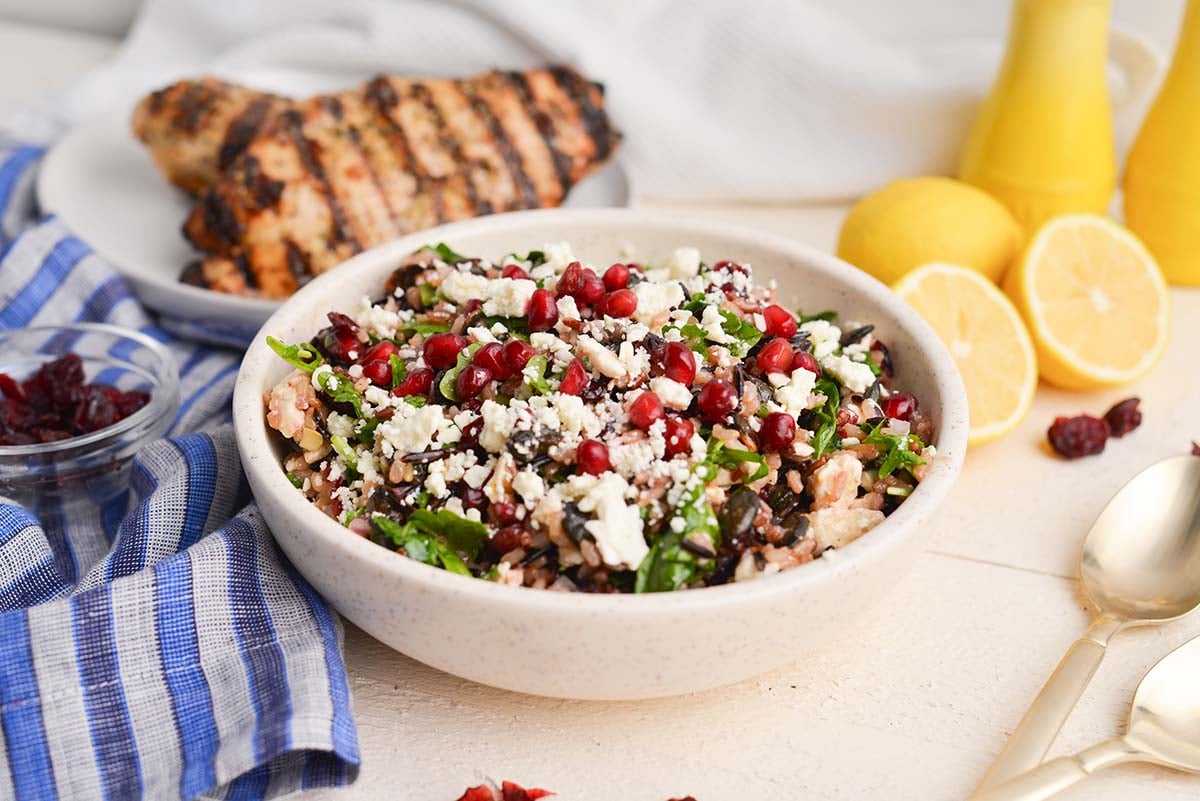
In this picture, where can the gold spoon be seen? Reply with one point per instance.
(1164, 729)
(1140, 566)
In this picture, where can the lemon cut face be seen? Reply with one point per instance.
(1095, 302)
(987, 338)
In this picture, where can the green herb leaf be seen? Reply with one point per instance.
(536, 367)
(295, 480)
(744, 332)
(895, 450)
(669, 565)
(827, 316)
(428, 294)
(418, 544)
(465, 535)
(536, 258)
(730, 458)
(415, 400)
(340, 389)
(826, 431)
(444, 252)
(446, 385)
(399, 371)
(302, 356)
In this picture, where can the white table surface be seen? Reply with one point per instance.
(909, 706)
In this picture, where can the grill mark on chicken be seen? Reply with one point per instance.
(512, 159)
(545, 126)
(355, 138)
(292, 125)
(381, 95)
(195, 103)
(298, 263)
(264, 190)
(594, 119)
(421, 93)
(242, 130)
(220, 221)
(244, 268)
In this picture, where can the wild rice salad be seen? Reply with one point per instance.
(539, 422)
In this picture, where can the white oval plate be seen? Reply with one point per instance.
(101, 182)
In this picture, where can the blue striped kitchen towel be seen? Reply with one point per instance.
(165, 649)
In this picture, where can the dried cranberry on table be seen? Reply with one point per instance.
(57, 403)
(1123, 417)
(1076, 437)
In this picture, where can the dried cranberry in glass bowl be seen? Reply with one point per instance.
(77, 403)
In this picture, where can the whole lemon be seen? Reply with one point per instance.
(915, 221)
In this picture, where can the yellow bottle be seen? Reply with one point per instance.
(1162, 176)
(1042, 142)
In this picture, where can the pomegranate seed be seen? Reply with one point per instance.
(679, 435)
(416, 383)
(1123, 417)
(543, 311)
(508, 539)
(900, 406)
(618, 304)
(778, 432)
(717, 399)
(731, 266)
(1075, 437)
(780, 321)
(506, 513)
(514, 272)
(616, 277)
(571, 281)
(646, 410)
(471, 306)
(517, 354)
(679, 364)
(592, 457)
(574, 380)
(775, 357)
(592, 291)
(441, 350)
(471, 381)
(1195, 448)
(377, 363)
(803, 360)
(491, 358)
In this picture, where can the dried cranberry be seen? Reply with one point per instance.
(515, 792)
(616, 277)
(543, 311)
(12, 389)
(1123, 417)
(679, 435)
(416, 383)
(678, 362)
(50, 434)
(717, 399)
(592, 457)
(646, 410)
(441, 350)
(491, 356)
(471, 380)
(571, 280)
(593, 392)
(93, 411)
(775, 357)
(574, 380)
(778, 432)
(470, 434)
(515, 272)
(517, 354)
(803, 360)
(481, 792)
(1075, 437)
(900, 406)
(619, 304)
(780, 321)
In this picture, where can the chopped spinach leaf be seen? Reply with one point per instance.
(826, 431)
(418, 543)
(399, 371)
(827, 316)
(340, 389)
(895, 450)
(535, 374)
(446, 385)
(445, 253)
(669, 565)
(428, 293)
(731, 458)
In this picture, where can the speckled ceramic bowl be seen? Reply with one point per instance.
(605, 646)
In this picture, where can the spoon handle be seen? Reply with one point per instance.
(1057, 775)
(1035, 734)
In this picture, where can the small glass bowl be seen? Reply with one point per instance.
(91, 469)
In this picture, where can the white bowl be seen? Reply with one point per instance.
(575, 645)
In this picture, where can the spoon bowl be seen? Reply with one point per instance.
(1165, 720)
(1141, 560)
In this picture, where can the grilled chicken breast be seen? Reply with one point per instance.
(196, 129)
(327, 177)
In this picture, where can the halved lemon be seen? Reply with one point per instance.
(1095, 302)
(987, 339)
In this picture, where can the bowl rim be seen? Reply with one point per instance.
(163, 399)
(951, 437)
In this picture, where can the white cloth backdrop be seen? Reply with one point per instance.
(767, 100)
